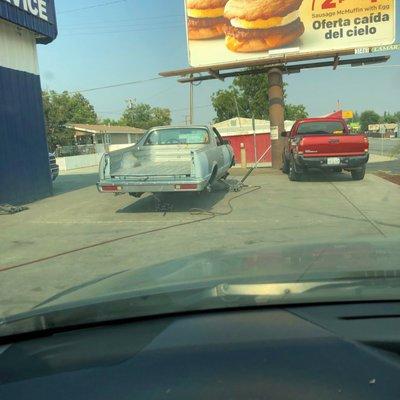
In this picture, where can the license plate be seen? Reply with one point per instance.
(333, 161)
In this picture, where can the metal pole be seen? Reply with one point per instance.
(254, 138)
(191, 104)
(237, 109)
(276, 114)
(382, 143)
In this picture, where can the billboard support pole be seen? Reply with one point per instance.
(276, 114)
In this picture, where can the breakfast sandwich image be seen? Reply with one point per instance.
(261, 25)
(206, 19)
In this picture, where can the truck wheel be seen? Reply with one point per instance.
(293, 174)
(137, 195)
(358, 174)
(285, 166)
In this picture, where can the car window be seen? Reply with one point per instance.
(173, 166)
(218, 137)
(320, 128)
(177, 136)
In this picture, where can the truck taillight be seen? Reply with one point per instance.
(187, 186)
(110, 188)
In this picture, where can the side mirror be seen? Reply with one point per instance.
(284, 134)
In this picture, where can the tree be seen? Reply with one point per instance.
(109, 122)
(248, 97)
(144, 116)
(367, 118)
(389, 118)
(65, 108)
(294, 112)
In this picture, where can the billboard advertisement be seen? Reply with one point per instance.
(226, 31)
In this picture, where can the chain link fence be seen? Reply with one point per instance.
(77, 150)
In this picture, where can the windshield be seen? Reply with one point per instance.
(177, 136)
(321, 128)
(146, 164)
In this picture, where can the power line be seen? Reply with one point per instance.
(123, 31)
(130, 20)
(115, 112)
(117, 85)
(108, 3)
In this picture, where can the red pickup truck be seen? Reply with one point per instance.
(324, 143)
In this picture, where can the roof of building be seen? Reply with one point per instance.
(86, 129)
(241, 122)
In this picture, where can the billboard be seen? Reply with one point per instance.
(226, 31)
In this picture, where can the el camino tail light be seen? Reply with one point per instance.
(111, 188)
(187, 186)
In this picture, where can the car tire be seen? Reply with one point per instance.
(293, 174)
(358, 174)
(285, 165)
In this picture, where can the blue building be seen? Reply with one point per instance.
(24, 162)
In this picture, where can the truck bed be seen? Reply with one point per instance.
(157, 168)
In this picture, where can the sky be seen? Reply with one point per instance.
(107, 42)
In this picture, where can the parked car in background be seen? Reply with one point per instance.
(54, 168)
(167, 159)
(324, 143)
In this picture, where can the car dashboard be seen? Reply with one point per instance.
(338, 351)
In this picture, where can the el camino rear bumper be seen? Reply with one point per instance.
(116, 186)
(346, 162)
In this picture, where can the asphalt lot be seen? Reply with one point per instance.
(79, 222)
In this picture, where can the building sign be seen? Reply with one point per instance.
(348, 114)
(38, 16)
(228, 31)
(37, 8)
(374, 127)
(274, 133)
(355, 126)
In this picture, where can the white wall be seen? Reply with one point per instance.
(76, 162)
(18, 48)
(113, 147)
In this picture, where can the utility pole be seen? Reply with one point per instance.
(276, 115)
(237, 108)
(191, 116)
(130, 103)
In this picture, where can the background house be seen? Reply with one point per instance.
(104, 137)
(248, 144)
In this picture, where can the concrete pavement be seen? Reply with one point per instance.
(78, 222)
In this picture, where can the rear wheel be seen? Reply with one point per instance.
(293, 174)
(285, 166)
(358, 174)
(137, 195)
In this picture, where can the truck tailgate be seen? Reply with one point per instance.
(331, 145)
